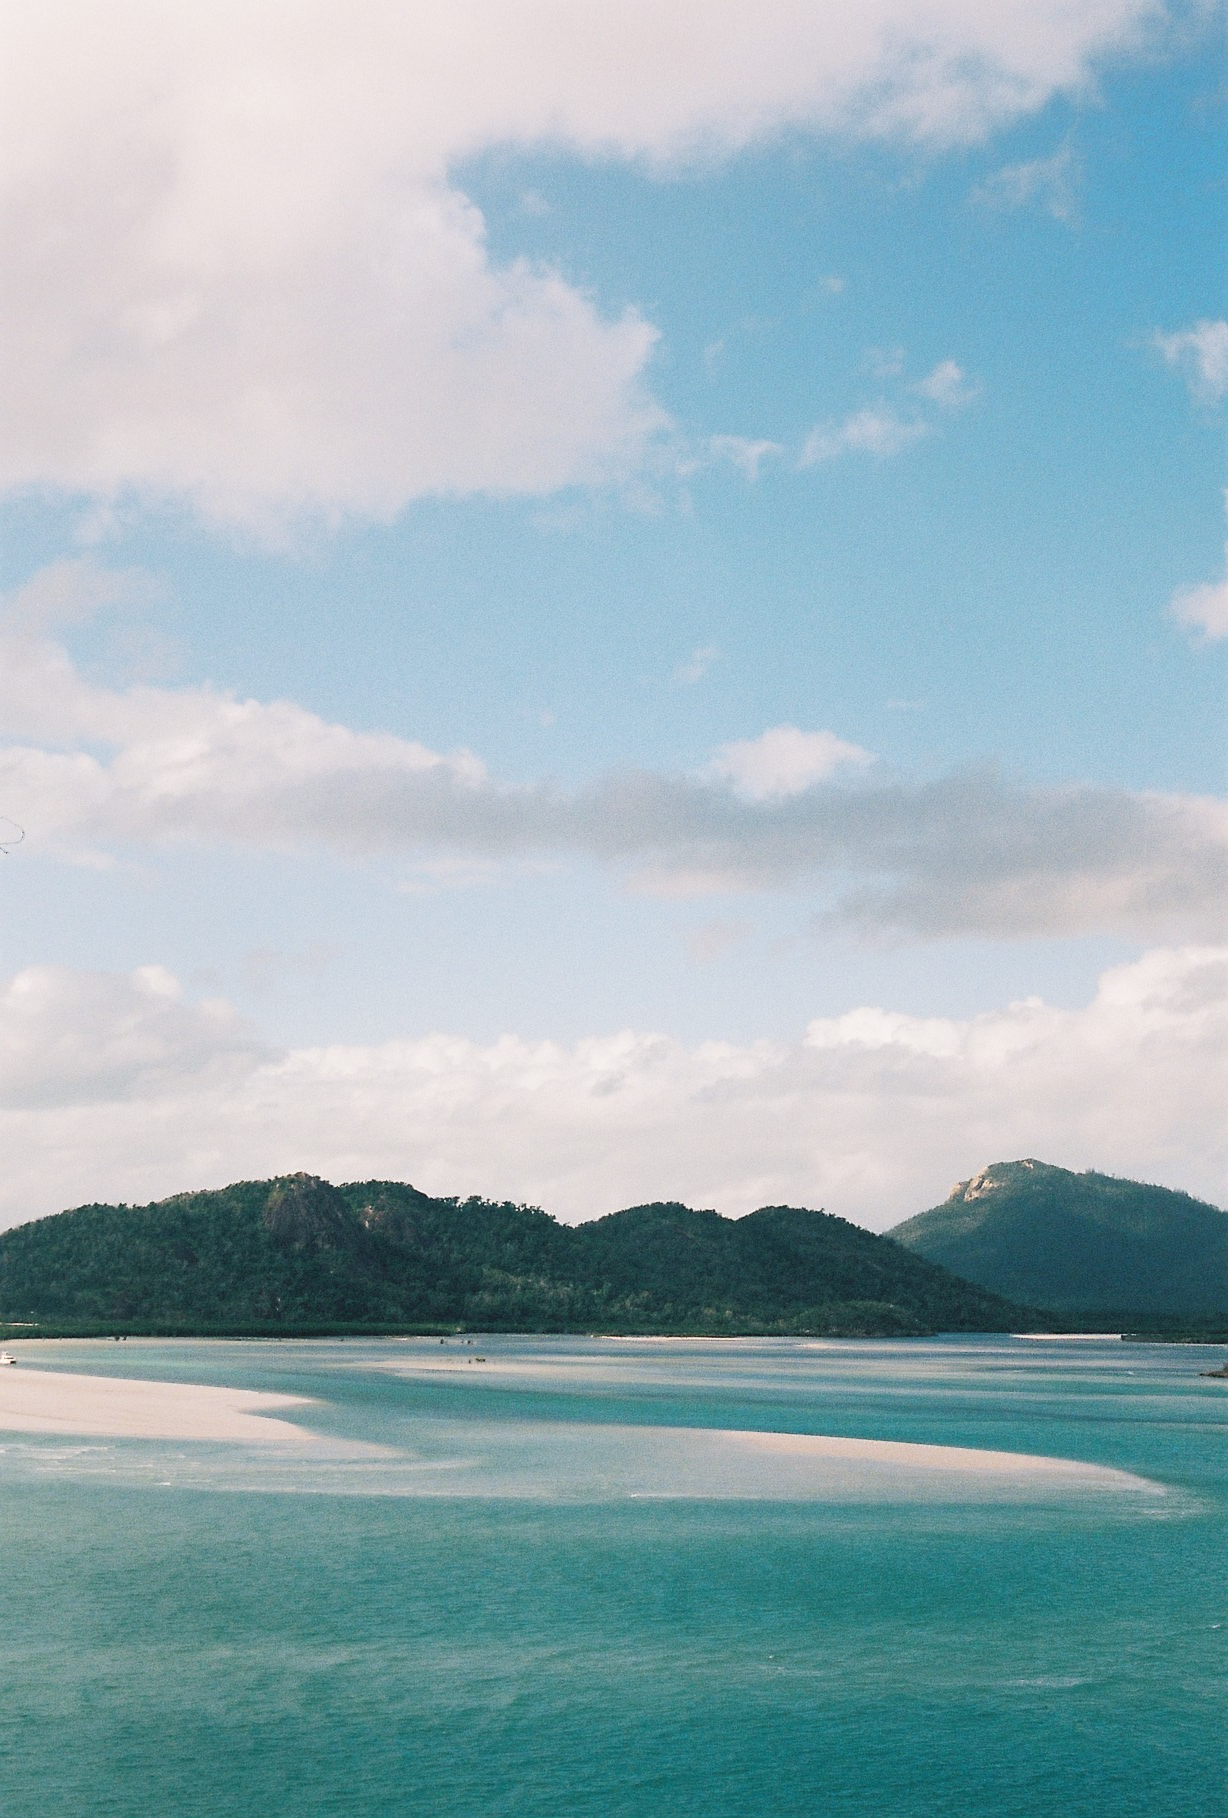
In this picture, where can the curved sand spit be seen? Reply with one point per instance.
(117, 1407)
(690, 1460)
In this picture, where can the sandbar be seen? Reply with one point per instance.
(119, 1407)
(1070, 1338)
(925, 1457)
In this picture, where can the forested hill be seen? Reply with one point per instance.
(300, 1253)
(1085, 1243)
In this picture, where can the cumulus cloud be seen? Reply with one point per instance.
(71, 1038)
(87, 770)
(876, 430)
(1200, 354)
(784, 761)
(241, 269)
(873, 1113)
(1203, 609)
(948, 386)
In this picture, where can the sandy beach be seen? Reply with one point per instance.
(113, 1407)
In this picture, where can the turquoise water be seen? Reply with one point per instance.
(550, 1586)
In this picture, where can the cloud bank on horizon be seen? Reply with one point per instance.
(124, 1080)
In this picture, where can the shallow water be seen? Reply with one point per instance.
(564, 1583)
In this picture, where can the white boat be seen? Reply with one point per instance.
(6, 1357)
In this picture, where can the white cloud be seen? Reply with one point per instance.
(746, 453)
(72, 591)
(240, 270)
(884, 362)
(1050, 183)
(69, 1038)
(784, 761)
(881, 429)
(697, 665)
(872, 1114)
(1200, 353)
(877, 430)
(89, 771)
(948, 386)
(1203, 609)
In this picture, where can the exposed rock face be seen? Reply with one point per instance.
(994, 1178)
(305, 1213)
(1078, 1243)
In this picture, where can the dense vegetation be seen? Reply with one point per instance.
(299, 1254)
(1080, 1243)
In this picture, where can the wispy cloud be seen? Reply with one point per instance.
(877, 430)
(697, 665)
(884, 428)
(884, 362)
(1051, 184)
(1200, 354)
(746, 453)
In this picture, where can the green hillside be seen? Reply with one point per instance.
(297, 1253)
(1079, 1243)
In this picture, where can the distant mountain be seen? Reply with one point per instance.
(298, 1253)
(1078, 1243)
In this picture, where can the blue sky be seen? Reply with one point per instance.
(600, 417)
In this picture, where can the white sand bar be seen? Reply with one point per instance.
(573, 1461)
(823, 1466)
(117, 1407)
(926, 1457)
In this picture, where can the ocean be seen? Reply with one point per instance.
(568, 1581)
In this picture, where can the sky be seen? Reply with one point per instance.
(613, 603)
